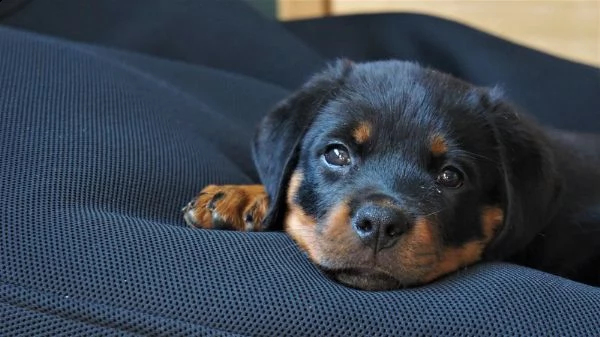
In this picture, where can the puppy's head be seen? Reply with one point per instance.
(391, 175)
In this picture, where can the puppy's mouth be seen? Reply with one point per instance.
(364, 278)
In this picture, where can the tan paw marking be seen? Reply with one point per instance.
(232, 207)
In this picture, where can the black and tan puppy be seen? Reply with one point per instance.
(391, 175)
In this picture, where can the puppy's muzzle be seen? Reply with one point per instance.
(379, 226)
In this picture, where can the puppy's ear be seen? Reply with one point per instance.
(529, 185)
(279, 136)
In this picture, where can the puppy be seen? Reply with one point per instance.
(390, 175)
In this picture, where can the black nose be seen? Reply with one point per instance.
(379, 226)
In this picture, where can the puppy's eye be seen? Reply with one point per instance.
(450, 177)
(337, 155)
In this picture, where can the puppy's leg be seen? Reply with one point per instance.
(232, 207)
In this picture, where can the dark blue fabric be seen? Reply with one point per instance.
(221, 34)
(560, 94)
(102, 144)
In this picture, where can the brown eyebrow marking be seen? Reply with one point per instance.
(438, 145)
(362, 132)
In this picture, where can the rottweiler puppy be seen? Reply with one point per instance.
(390, 175)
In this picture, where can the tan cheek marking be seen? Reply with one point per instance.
(492, 218)
(301, 228)
(298, 224)
(438, 145)
(338, 220)
(418, 247)
(422, 232)
(454, 258)
(338, 236)
(469, 253)
(362, 132)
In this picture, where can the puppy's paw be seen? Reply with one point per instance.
(232, 207)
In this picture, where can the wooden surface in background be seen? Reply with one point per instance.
(565, 28)
(302, 9)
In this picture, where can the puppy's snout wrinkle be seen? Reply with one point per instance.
(379, 226)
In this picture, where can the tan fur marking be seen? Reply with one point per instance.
(237, 200)
(438, 145)
(422, 232)
(417, 248)
(298, 224)
(453, 258)
(492, 218)
(362, 132)
(338, 220)
(338, 236)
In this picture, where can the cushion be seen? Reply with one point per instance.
(113, 115)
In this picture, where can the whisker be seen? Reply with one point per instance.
(476, 155)
(435, 212)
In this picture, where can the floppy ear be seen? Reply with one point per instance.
(530, 186)
(279, 136)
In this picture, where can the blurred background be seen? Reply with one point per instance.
(566, 28)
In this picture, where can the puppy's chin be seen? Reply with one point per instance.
(365, 279)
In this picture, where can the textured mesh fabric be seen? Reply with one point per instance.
(100, 148)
